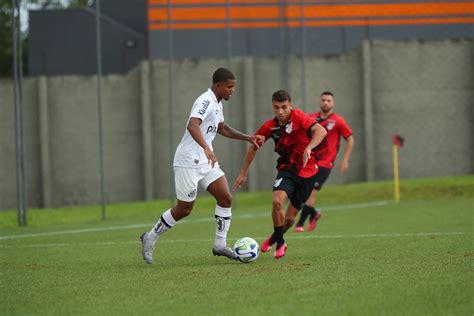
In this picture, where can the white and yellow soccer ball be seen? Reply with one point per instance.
(246, 249)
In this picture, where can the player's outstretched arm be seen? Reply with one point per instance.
(230, 132)
(242, 177)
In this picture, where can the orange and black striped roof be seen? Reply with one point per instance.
(219, 14)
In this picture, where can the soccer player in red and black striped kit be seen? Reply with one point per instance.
(295, 135)
(326, 154)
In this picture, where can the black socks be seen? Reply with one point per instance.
(305, 212)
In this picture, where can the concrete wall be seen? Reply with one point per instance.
(424, 91)
(31, 144)
(73, 138)
(421, 90)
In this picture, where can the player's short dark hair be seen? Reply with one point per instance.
(281, 96)
(222, 75)
(327, 93)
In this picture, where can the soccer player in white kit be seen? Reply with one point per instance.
(195, 163)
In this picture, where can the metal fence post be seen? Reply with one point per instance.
(171, 96)
(99, 108)
(18, 102)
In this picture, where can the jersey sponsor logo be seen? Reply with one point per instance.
(211, 129)
(205, 105)
(331, 124)
(220, 224)
(276, 133)
(277, 182)
(192, 193)
(289, 127)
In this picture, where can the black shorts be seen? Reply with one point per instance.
(298, 189)
(321, 177)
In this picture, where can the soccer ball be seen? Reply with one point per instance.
(246, 249)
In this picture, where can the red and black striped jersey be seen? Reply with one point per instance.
(291, 140)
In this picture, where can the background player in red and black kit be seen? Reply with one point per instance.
(295, 135)
(336, 127)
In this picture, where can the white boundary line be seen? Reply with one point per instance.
(186, 221)
(111, 243)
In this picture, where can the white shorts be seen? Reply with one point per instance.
(186, 180)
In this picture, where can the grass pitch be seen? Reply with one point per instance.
(367, 256)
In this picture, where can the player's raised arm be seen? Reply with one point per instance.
(195, 131)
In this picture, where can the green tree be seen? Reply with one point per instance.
(57, 4)
(6, 38)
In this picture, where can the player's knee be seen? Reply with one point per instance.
(225, 201)
(184, 210)
(277, 205)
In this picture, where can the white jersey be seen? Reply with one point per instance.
(189, 154)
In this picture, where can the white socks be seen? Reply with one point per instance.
(222, 216)
(165, 222)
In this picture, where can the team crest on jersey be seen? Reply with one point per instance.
(289, 127)
(277, 182)
(331, 124)
(196, 161)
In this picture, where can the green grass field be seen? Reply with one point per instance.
(368, 256)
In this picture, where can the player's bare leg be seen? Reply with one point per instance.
(223, 213)
(290, 216)
(181, 209)
(278, 201)
(278, 217)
